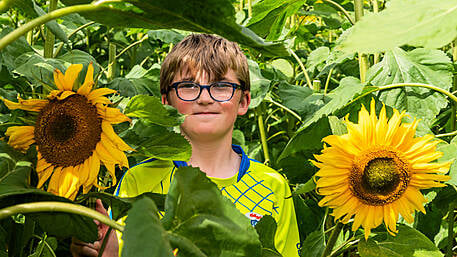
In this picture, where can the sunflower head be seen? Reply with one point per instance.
(375, 171)
(73, 133)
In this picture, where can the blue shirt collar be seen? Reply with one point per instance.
(244, 165)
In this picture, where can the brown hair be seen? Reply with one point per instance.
(204, 52)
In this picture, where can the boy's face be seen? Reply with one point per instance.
(206, 118)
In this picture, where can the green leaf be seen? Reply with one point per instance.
(420, 66)
(426, 23)
(407, 243)
(449, 154)
(309, 216)
(328, 14)
(207, 16)
(301, 99)
(37, 69)
(259, 84)
(119, 206)
(284, 66)
(144, 234)
(337, 126)
(209, 219)
(151, 109)
(269, 16)
(156, 141)
(313, 245)
(309, 186)
(317, 58)
(52, 25)
(138, 81)
(309, 137)
(165, 35)
(266, 228)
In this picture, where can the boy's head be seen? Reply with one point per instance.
(208, 53)
(206, 77)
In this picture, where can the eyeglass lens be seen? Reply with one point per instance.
(219, 91)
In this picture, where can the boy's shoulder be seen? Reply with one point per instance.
(145, 174)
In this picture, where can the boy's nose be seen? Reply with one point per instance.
(205, 97)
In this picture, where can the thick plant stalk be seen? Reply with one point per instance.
(332, 240)
(263, 136)
(17, 33)
(50, 38)
(58, 207)
(249, 3)
(375, 10)
(363, 58)
(450, 231)
(454, 87)
(112, 61)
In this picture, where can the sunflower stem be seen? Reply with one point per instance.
(17, 33)
(105, 240)
(391, 86)
(363, 58)
(58, 207)
(308, 79)
(375, 10)
(50, 38)
(111, 61)
(450, 231)
(332, 240)
(263, 137)
(454, 86)
(341, 8)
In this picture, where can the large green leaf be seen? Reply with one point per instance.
(314, 244)
(449, 153)
(407, 243)
(52, 25)
(420, 66)
(266, 228)
(156, 141)
(138, 81)
(309, 137)
(259, 84)
(144, 234)
(208, 16)
(209, 219)
(151, 109)
(426, 23)
(269, 16)
(301, 99)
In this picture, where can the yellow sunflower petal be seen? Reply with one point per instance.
(101, 100)
(53, 186)
(44, 175)
(42, 164)
(71, 74)
(68, 182)
(88, 81)
(32, 105)
(111, 115)
(59, 79)
(20, 137)
(111, 135)
(65, 94)
(94, 168)
(99, 92)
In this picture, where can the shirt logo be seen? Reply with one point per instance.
(254, 217)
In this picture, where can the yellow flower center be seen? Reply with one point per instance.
(67, 131)
(379, 177)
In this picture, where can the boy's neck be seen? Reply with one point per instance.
(215, 158)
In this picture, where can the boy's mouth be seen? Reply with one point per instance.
(200, 113)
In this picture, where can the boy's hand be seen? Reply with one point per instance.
(79, 248)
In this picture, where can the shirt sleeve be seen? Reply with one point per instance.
(287, 240)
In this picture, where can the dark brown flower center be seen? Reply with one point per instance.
(67, 131)
(379, 177)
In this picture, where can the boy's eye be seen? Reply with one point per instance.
(187, 86)
(221, 85)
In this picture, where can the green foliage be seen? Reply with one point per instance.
(429, 24)
(295, 117)
(400, 245)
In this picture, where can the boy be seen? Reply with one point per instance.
(206, 77)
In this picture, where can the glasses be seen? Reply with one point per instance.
(218, 91)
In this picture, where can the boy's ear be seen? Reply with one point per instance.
(165, 99)
(245, 100)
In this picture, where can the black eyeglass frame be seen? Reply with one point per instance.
(207, 87)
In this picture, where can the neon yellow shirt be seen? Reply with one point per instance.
(256, 190)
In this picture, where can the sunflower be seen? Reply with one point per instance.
(73, 133)
(375, 171)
